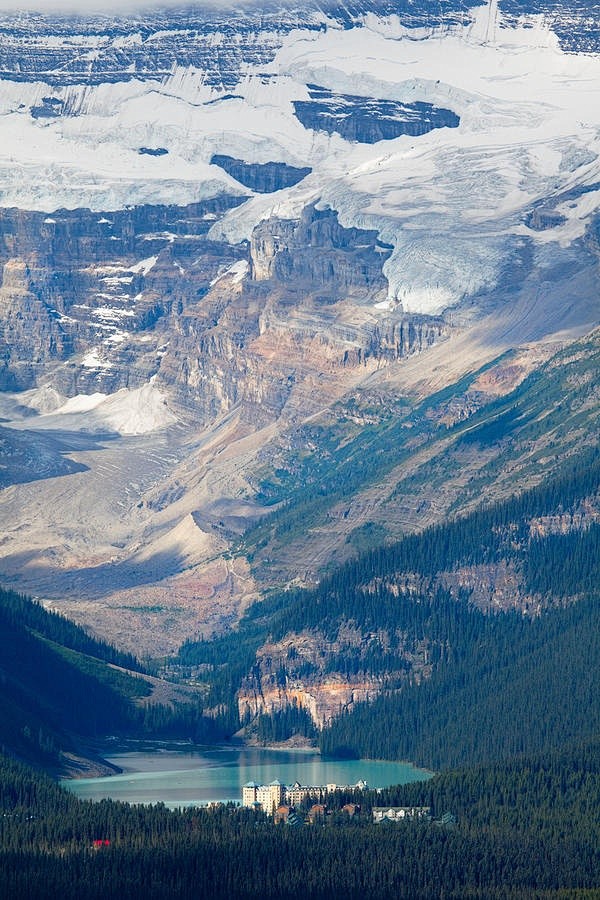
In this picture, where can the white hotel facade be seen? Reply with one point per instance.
(269, 796)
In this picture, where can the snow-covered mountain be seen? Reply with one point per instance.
(454, 135)
(215, 224)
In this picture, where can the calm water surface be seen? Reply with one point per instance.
(195, 777)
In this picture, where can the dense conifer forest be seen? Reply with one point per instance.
(520, 680)
(60, 687)
(517, 686)
(528, 828)
(22, 611)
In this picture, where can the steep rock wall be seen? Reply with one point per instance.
(93, 302)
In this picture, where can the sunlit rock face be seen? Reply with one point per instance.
(300, 306)
(82, 294)
(319, 254)
(109, 301)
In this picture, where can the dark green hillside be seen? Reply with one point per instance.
(516, 687)
(49, 692)
(23, 611)
(527, 829)
(59, 687)
(513, 792)
(460, 684)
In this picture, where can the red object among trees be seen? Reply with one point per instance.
(100, 843)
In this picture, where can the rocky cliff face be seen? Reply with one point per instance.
(369, 120)
(211, 348)
(81, 293)
(261, 177)
(107, 48)
(301, 670)
(319, 256)
(101, 302)
(293, 327)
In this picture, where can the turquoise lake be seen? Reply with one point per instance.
(196, 777)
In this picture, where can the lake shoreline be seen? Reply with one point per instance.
(97, 764)
(92, 761)
(184, 775)
(96, 761)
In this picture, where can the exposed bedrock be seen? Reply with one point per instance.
(369, 120)
(264, 178)
(28, 327)
(82, 292)
(319, 253)
(298, 329)
(148, 43)
(92, 302)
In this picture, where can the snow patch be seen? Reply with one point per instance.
(111, 314)
(117, 338)
(237, 272)
(94, 360)
(144, 266)
(386, 305)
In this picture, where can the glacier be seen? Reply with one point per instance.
(451, 202)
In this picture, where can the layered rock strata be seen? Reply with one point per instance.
(102, 302)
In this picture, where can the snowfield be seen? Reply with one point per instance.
(451, 202)
(126, 412)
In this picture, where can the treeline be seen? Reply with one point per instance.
(185, 721)
(22, 610)
(555, 403)
(498, 531)
(552, 793)
(344, 459)
(522, 830)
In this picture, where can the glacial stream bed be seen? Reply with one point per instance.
(196, 777)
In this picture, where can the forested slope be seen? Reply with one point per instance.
(462, 677)
(518, 686)
(524, 829)
(59, 688)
